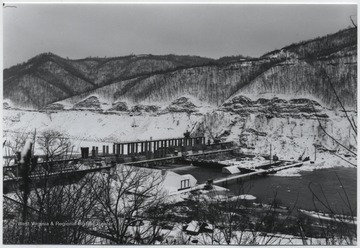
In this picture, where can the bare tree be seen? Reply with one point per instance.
(64, 207)
(351, 120)
(54, 144)
(14, 144)
(59, 205)
(56, 210)
(123, 198)
(352, 21)
(236, 220)
(336, 229)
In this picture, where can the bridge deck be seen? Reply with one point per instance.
(151, 160)
(57, 174)
(230, 178)
(212, 152)
(256, 173)
(66, 171)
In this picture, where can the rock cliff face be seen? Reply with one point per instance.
(119, 106)
(182, 104)
(275, 107)
(91, 103)
(289, 128)
(292, 127)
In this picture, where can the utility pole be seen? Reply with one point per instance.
(33, 143)
(25, 159)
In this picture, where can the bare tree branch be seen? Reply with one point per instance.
(352, 21)
(324, 73)
(330, 136)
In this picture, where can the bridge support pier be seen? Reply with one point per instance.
(154, 145)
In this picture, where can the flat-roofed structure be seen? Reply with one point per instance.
(138, 147)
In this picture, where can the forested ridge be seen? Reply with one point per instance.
(297, 68)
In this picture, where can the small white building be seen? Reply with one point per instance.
(234, 169)
(173, 183)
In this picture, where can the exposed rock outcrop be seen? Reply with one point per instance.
(182, 104)
(119, 106)
(145, 108)
(6, 105)
(274, 107)
(54, 107)
(91, 103)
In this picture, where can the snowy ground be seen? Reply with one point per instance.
(323, 161)
(289, 138)
(177, 236)
(87, 128)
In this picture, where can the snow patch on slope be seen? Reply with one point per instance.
(323, 161)
(88, 126)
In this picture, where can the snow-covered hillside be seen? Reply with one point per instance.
(290, 126)
(88, 128)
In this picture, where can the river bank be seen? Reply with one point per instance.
(331, 182)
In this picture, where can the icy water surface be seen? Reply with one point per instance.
(295, 190)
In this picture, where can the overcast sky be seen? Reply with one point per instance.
(78, 30)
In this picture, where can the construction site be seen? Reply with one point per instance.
(158, 154)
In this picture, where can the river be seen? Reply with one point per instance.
(295, 190)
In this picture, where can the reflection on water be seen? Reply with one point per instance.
(337, 186)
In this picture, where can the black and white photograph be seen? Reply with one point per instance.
(179, 124)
